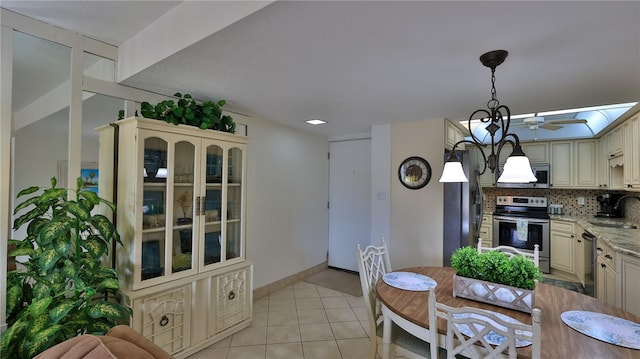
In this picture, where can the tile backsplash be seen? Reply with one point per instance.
(566, 197)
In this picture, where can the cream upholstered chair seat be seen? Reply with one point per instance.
(475, 333)
(373, 263)
(512, 251)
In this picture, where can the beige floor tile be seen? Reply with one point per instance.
(261, 305)
(335, 302)
(285, 351)
(279, 305)
(361, 313)
(248, 352)
(309, 303)
(283, 317)
(355, 302)
(341, 315)
(321, 350)
(348, 330)
(303, 285)
(259, 319)
(312, 316)
(314, 332)
(284, 293)
(283, 334)
(250, 336)
(306, 293)
(326, 292)
(354, 348)
(224, 343)
(210, 353)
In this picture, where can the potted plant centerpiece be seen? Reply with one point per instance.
(492, 277)
(63, 289)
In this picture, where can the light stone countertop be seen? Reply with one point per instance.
(622, 240)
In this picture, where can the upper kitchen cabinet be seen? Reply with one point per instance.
(574, 164)
(602, 164)
(632, 152)
(616, 142)
(538, 152)
(586, 164)
(452, 134)
(561, 162)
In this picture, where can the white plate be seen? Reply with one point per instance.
(604, 327)
(492, 337)
(409, 281)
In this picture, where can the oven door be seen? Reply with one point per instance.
(505, 233)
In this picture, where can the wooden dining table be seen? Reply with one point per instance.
(558, 339)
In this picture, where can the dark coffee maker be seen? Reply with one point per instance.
(607, 202)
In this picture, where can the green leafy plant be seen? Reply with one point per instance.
(187, 111)
(63, 290)
(496, 266)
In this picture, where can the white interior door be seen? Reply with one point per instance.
(349, 201)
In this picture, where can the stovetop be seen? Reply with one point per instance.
(522, 207)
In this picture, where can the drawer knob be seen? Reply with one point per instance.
(232, 295)
(164, 321)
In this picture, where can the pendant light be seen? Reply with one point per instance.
(517, 169)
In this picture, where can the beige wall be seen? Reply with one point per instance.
(416, 215)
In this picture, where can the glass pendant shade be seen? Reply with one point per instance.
(453, 172)
(517, 169)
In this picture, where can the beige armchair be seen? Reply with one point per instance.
(120, 342)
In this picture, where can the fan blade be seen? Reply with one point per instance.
(548, 126)
(567, 121)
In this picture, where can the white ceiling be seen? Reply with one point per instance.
(361, 63)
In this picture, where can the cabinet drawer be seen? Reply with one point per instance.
(560, 226)
(233, 298)
(607, 253)
(165, 318)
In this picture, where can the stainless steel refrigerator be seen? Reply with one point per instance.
(463, 206)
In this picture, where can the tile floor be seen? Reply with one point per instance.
(301, 321)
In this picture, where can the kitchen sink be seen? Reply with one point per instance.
(614, 225)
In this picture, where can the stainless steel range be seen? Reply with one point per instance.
(523, 222)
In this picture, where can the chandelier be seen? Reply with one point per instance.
(517, 169)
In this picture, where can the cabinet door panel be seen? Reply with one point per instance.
(234, 225)
(165, 318)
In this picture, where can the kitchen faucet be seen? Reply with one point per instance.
(624, 197)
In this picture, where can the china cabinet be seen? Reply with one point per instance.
(180, 193)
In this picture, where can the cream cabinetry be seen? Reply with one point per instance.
(585, 164)
(582, 254)
(628, 278)
(602, 163)
(562, 236)
(180, 193)
(574, 164)
(615, 143)
(538, 152)
(606, 273)
(631, 130)
(561, 164)
(452, 134)
(486, 230)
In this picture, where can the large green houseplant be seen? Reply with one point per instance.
(187, 111)
(64, 289)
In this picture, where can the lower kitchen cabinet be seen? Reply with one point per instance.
(606, 274)
(562, 239)
(190, 316)
(486, 230)
(582, 255)
(628, 277)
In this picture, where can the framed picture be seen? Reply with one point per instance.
(88, 172)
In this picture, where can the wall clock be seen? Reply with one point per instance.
(414, 172)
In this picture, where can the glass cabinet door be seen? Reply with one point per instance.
(154, 204)
(213, 205)
(234, 204)
(183, 206)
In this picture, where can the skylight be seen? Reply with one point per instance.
(574, 123)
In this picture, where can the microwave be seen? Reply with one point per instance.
(540, 170)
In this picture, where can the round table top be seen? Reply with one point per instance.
(558, 339)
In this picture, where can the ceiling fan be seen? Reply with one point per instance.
(537, 122)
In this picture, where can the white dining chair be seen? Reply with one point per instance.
(512, 251)
(373, 263)
(476, 333)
